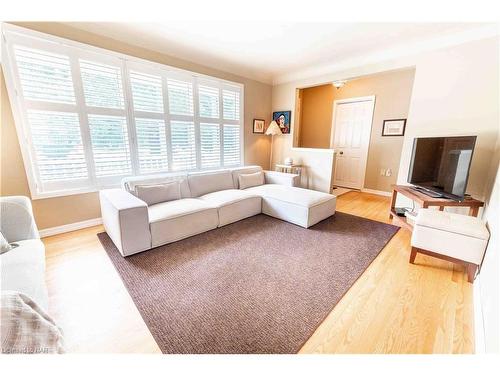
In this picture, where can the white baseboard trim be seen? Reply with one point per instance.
(378, 192)
(70, 227)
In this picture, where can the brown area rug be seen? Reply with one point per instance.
(260, 285)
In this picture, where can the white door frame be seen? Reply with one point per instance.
(369, 98)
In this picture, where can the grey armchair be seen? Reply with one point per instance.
(23, 267)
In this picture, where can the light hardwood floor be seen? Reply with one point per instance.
(394, 307)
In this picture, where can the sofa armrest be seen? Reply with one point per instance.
(280, 178)
(17, 222)
(126, 220)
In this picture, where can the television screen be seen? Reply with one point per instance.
(441, 164)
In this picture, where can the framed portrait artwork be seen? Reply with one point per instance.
(394, 128)
(282, 118)
(258, 126)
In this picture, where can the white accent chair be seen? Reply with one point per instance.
(457, 238)
(207, 200)
(22, 267)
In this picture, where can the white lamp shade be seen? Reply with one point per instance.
(273, 129)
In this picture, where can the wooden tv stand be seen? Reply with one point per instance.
(425, 201)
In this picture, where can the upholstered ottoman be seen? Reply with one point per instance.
(454, 237)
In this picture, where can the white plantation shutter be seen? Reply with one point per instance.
(183, 145)
(44, 76)
(209, 101)
(152, 149)
(102, 85)
(110, 146)
(58, 145)
(151, 145)
(231, 105)
(180, 97)
(92, 117)
(232, 151)
(210, 145)
(146, 92)
(109, 138)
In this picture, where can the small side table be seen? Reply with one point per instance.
(294, 168)
(425, 201)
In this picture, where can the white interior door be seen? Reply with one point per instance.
(351, 128)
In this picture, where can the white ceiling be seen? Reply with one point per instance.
(266, 51)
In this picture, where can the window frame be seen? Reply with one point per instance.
(12, 34)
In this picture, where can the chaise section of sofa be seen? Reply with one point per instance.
(293, 204)
(205, 201)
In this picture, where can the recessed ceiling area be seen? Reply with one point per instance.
(264, 51)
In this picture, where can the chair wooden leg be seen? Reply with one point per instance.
(413, 254)
(471, 272)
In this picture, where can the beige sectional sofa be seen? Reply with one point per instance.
(204, 201)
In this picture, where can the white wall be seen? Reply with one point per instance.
(489, 278)
(455, 92)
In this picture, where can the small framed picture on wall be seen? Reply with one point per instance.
(258, 126)
(394, 128)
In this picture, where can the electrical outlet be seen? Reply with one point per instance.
(388, 172)
(382, 172)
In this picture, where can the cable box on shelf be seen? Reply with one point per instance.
(400, 211)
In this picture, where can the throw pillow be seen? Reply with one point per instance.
(4, 245)
(152, 194)
(251, 179)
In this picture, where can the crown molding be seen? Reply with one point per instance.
(409, 49)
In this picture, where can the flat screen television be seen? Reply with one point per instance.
(440, 166)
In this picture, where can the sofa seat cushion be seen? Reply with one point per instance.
(225, 197)
(289, 194)
(23, 270)
(233, 205)
(175, 220)
(296, 205)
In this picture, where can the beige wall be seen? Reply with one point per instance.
(64, 210)
(392, 92)
(316, 116)
(317, 163)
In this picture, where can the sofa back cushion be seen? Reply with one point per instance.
(201, 183)
(251, 180)
(129, 183)
(152, 194)
(243, 170)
